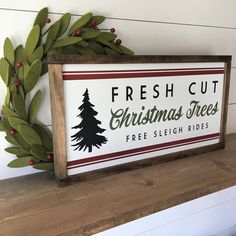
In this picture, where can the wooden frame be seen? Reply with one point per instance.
(58, 107)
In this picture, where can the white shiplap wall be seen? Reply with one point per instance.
(211, 215)
(148, 27)
(152, 27)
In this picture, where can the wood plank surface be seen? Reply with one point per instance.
(34, 205)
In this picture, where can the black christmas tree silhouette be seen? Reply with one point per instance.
(88, 135)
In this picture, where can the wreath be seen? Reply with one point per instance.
(21, 68)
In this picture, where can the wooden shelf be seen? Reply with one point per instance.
(34, 205)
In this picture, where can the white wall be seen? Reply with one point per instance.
(148, 27)
(212, 215)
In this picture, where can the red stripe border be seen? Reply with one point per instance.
(142, 70)
(137, 75)
(142, 150)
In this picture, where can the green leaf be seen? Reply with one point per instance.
(83, 43)
(17, 151)
(29, 134)
(98, 19)
(63, 50)
(18, 47)
(20, 162)
(5, 71)
(25, 69)
(115, 48)
(44, 166)
(106, 36)
(21, 93)
(65, 21)
(9, 53)
(20, 54)
(21, 142)
(44, 68)
(45, 136)
(126, 50)
(32, 76)
(15, 122)
(37, 54)
(13, 91)
(5, 125)
(32, 40)
(40, 152)
(8, 98)
(10, 139)
(33, 158)
(66, 42)
(52, 35)
(85, 51)
(96, 47)
(112, 46)
(11, 81)
(90, 33)
(41, 17)
(8, 112)
(111, 52)
(82, 21)
(19, 106)
(34, 106)
(20, 73)
(2, 129)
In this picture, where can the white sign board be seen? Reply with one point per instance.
(123, 113)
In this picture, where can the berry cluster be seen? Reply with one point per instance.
(49, 157)
(22, 67)
(93, 23)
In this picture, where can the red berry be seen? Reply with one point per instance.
(113, 30)
(31, 162)
(12, 132)
(94, 23)
(78, 32)
(17, 82)
(50, 156)
(48, 20)
(18, 64)
(118, 41)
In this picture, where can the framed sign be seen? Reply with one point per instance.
(112, 114)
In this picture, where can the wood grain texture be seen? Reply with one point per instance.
(100, 173)
(225, 101)
(34, 205)
(58, 117)
(101, 59)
